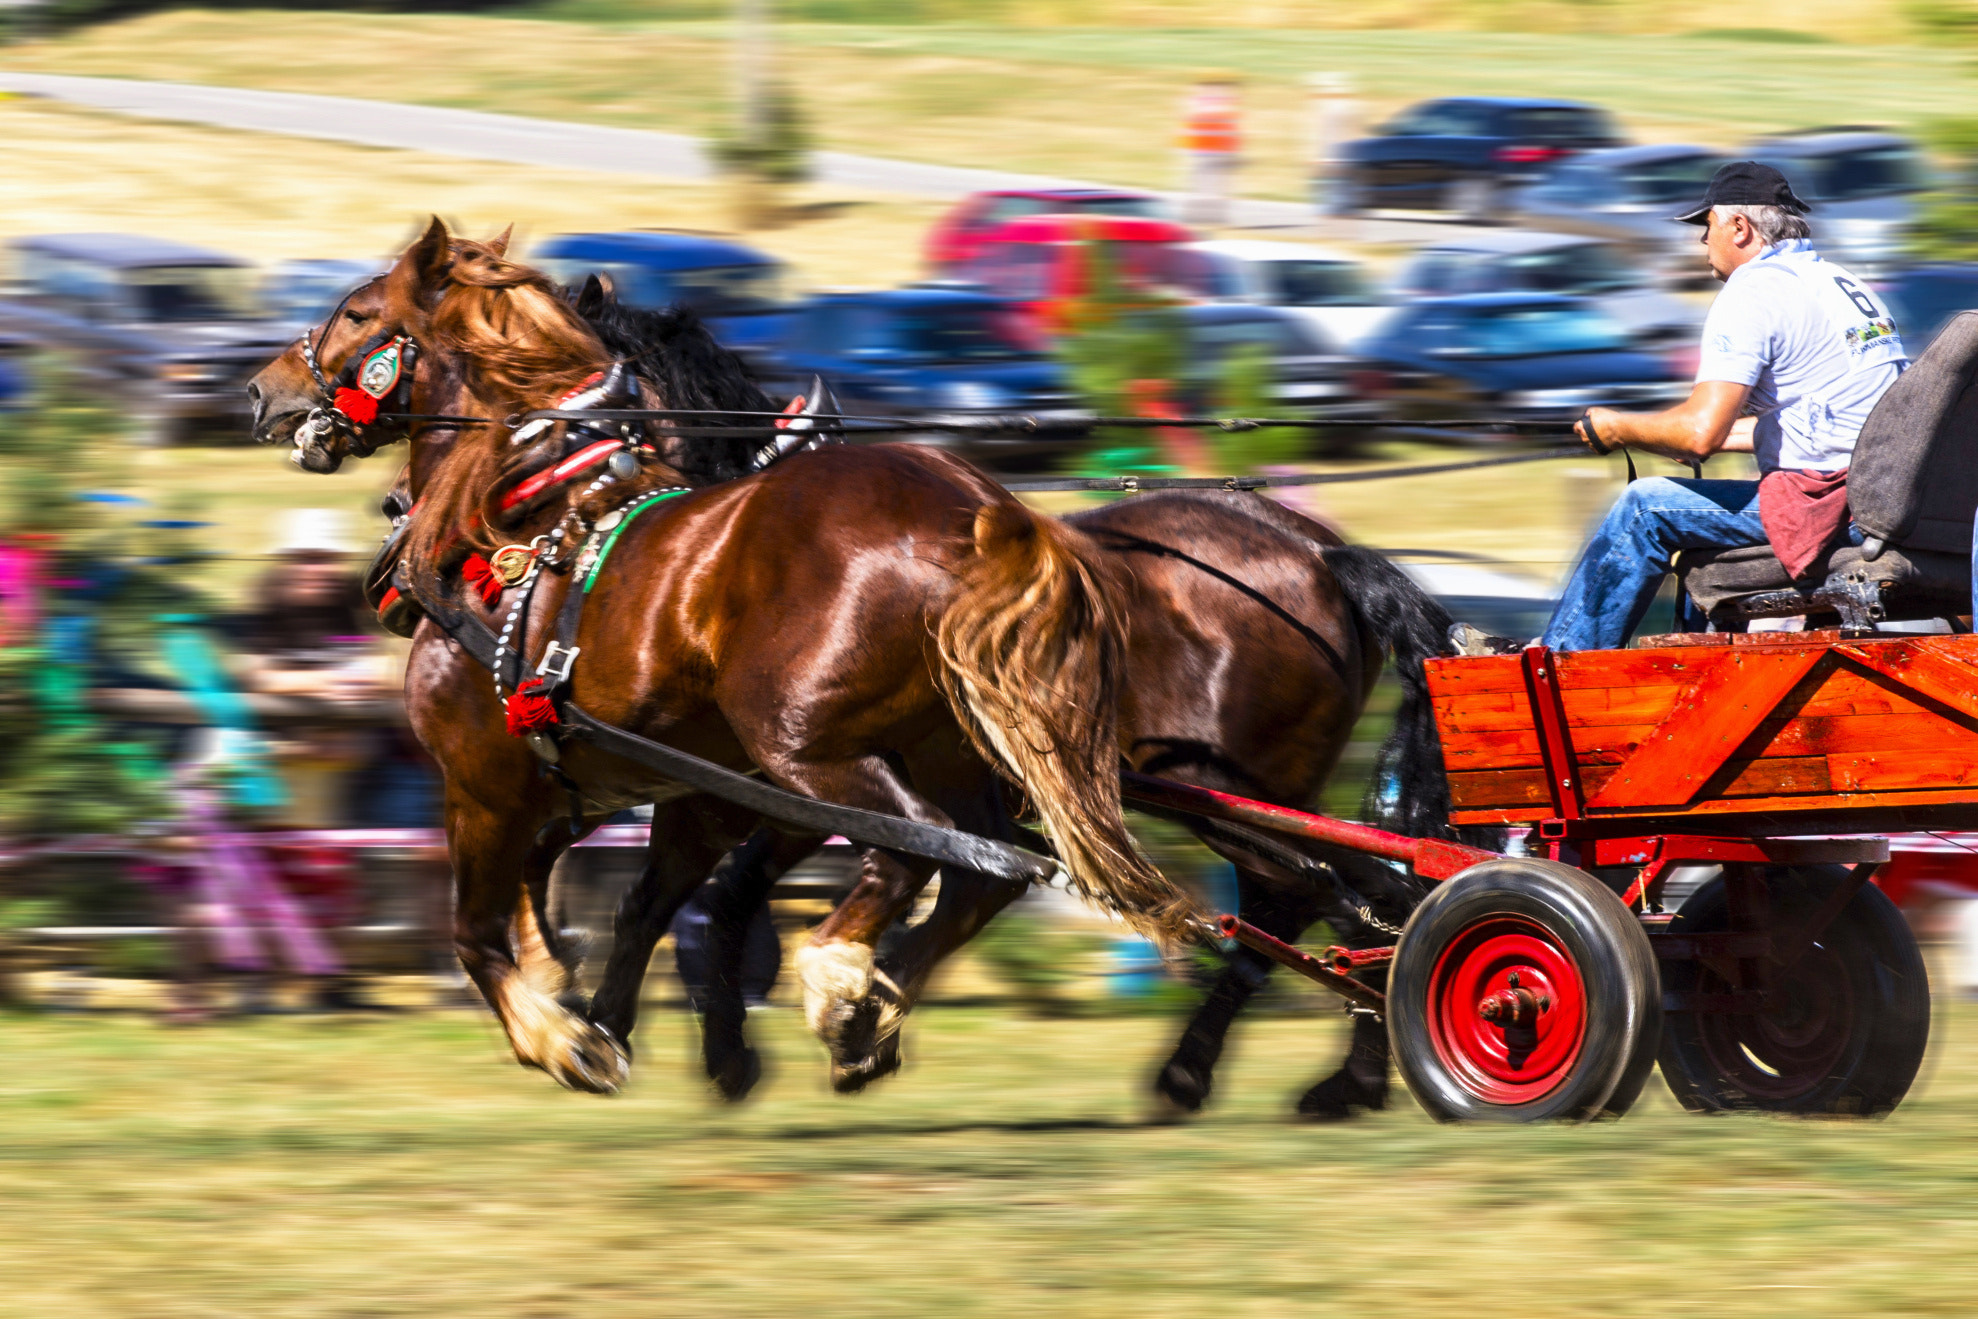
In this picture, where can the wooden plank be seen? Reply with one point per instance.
(1943, 673)
(1883, 771)
(1518, 748)
(1739, 691)
(1526, 787)
(1867, 734)
(1832, 735)
(1473, 673)
(1858, 812)
(1583, 669)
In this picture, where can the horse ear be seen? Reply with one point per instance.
(499, 243)
(428, 257)
(423, 265)
(594, 297)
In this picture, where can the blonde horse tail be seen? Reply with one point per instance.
(1033, 651)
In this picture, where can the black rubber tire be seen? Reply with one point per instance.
(1620, 1002)
(1865, 970)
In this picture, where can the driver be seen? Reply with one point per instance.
(1796, 351)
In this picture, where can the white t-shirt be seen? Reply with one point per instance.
(1816, 346)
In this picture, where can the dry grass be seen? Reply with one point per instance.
(405, 1167)
(1086, 103)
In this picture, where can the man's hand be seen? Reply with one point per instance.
(1702, 424)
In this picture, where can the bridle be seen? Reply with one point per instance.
(380, 370)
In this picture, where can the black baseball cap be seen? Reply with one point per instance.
(1745, 183)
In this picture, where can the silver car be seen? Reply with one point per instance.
(1626, 196)
(1863, 185)
(1571, 265)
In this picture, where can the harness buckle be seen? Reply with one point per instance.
(556, 663)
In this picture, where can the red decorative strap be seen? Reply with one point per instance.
(790, 411)
(582, 460)
(480, 575)
(529, 709)
(357, 405)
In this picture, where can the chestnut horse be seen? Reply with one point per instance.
(854, 624)
(1257, 636)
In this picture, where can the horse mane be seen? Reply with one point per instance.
(673, 350)
(521, 344)
(510, 322)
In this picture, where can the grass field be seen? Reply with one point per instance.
(333, 1167)
(1095, 103)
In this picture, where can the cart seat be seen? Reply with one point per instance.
(1912, 489)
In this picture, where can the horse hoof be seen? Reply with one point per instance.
(737, 1074)
(1339, 1098)
(594, 1062)
(1182, 1089)
(850, 1078)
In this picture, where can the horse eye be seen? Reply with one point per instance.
(355, 318)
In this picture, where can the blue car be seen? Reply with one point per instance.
(1512, 355)
(736, 289)
(1466, 155)
(927, 352)
(1922, 298)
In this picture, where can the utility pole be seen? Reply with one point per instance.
(752, 104)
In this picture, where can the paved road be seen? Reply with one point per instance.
(518, 140)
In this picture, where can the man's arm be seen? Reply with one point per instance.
(1704, 423)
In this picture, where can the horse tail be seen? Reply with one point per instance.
(1409, 792)
(1032, 651)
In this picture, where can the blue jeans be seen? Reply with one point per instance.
(1636, 544)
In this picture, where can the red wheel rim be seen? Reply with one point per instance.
(1797, 1042)
(1507, 1010)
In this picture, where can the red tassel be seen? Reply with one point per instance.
(529, 709)
(480, 575)
(357, 405)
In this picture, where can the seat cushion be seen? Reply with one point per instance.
(1717, 577)
(1915, 583)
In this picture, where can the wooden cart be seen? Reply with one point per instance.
(1547, 982)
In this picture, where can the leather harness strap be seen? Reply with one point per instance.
(872, 828)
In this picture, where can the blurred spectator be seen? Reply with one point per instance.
(1211, 139)
(762, 953)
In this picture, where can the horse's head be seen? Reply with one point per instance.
(324, 394)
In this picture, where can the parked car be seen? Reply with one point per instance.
(307, 290)
(1466, 155)
(738, 290)
(1862, 184)
(926, 352)
(1521, 261)
(168, 332)
(1626, 195)
(1327, 289)
(1043, 263)
(958, 235)
(1516, 355)
(1922, 298)
(1307, 377)
(15, 374)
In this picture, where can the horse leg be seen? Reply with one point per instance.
(835, 967)
(1361, 1080)
(688, 837)
(501, 931)
(968, 900)
(739, 888)
(1185, 1080)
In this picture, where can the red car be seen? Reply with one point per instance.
(1040, 265)
(959, 234)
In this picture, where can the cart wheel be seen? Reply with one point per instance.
(1848, 1024)
(1523, 991)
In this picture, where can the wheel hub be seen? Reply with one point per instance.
(1508, 1009)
